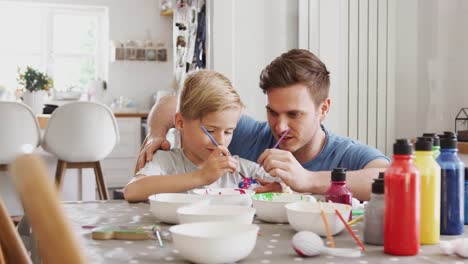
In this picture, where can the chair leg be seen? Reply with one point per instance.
(2, 258)
(100, 181)
(61, 168)
(10, 242)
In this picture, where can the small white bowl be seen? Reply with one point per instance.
(214, 242)
(215, 213)
(305, 216)
(270, 206)
(227, 196)
(164, 205)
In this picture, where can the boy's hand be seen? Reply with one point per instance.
(268, 186)
(217, 164)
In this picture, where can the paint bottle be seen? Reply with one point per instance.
(466, 195)
(435, 143)
(338, 191)
(430, 191)
(402, 204)
(374, 214)
(452, 186)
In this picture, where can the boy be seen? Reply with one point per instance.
(207, 99)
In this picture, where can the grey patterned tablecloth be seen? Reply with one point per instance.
(273, 246)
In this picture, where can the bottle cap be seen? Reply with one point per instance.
(449, 134)
(424, 144)
(378, 184)
(434, 137)
(448, 141)
(402, 147)
(381, 175)
(338, 174)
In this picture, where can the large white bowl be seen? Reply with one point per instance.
(227, 196)
(164, 205)
(210, 213)
(305, 216)
(270, 206)
(214, 242)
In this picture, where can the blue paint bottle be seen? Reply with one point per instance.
(452, 186)
(466, 195)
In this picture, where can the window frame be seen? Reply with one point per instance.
(47, 53)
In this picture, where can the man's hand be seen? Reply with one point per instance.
(151, 145)
(268, 186)
(217, 164)
(282, 164)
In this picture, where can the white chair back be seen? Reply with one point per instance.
(81, 132)
(18, 127)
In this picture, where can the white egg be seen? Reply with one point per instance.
(307, 243)
(461, 247)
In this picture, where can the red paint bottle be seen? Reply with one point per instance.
(402, 202)
(338, 191)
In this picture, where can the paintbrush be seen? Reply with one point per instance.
(327, 228)
(348, 227)
(157, 232)
(216, 144)
(275, 146)
(355, 220)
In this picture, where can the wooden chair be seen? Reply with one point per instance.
(56, 241)
(80, 134)
(12, 249)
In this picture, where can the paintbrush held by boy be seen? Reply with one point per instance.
(209, 102)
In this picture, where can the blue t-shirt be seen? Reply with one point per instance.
(251, 138)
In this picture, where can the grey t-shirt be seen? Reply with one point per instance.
(174, 161)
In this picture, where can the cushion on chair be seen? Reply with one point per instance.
(81, 132)
(18, 127)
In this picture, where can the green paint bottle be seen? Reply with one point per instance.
(435, 145)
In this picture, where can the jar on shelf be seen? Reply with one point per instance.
(161, 52)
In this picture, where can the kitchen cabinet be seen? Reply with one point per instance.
(118, 167)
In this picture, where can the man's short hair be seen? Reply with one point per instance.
(297, 66)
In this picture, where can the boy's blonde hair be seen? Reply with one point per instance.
(206, 92)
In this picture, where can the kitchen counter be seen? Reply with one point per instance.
(44, 118)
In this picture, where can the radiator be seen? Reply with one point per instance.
(356, 40)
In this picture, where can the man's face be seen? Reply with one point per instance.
(292, 107)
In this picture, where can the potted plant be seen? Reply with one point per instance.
(35, 85)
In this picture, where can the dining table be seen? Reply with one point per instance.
(274, 241)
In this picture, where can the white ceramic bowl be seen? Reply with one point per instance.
(305, 216)
(164, 205)
(215, 213)
(270, 206)
(214, 242)
(227, 196)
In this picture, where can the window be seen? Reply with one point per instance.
(66, 42)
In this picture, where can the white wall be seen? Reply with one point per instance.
(431, 65)
(246, 36)
(130, 19)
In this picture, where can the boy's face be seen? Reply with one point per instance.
(292, 107)
(196, 144)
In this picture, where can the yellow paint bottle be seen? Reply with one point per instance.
(430, 191)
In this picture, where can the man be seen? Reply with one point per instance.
(297, 86)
